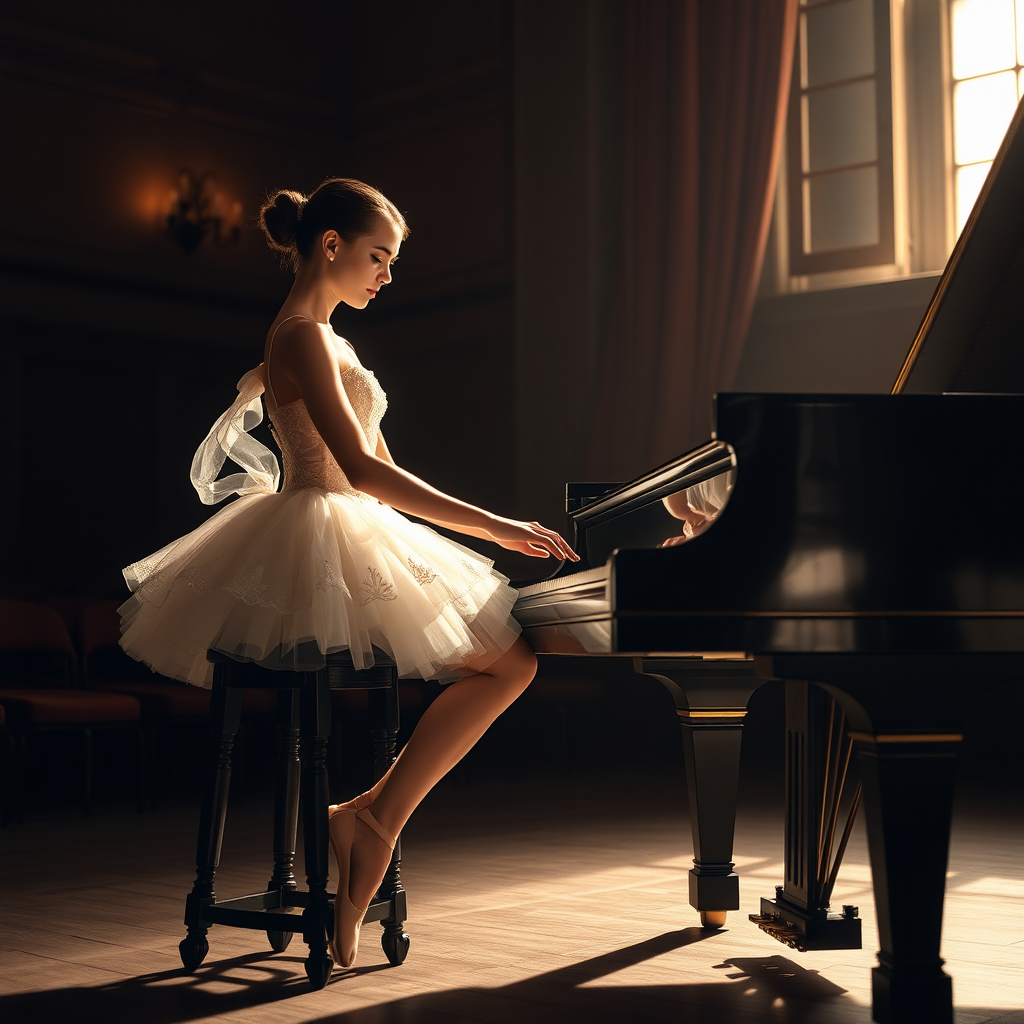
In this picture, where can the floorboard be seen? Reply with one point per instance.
(540, 899)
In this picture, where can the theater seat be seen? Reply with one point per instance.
(41, 693)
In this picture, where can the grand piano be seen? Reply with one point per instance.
(867, 550)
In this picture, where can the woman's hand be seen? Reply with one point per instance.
(529, 539)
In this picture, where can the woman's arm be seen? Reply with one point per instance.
(308, 360)
(383, 452)
(382, 449)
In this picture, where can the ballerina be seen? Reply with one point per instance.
(328, 562)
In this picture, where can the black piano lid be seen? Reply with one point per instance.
(972, 335)
(916, 500)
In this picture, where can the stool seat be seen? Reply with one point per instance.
(303, 731)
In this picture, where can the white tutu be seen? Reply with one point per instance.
(284, 579)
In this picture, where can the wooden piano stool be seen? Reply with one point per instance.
(303, 731)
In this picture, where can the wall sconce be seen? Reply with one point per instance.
(197, 210)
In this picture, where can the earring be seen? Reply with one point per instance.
(330, 256)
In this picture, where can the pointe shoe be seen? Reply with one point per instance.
(357, 803)
(348, 918)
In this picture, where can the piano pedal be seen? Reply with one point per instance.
(803, 930)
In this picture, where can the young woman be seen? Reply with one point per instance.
(329, 563)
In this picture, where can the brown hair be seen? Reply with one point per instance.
(293, 222)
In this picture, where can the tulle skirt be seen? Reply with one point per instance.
(286, 579)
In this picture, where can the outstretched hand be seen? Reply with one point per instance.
(530, 539)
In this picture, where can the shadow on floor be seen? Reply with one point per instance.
(765, 988)
(752, 990)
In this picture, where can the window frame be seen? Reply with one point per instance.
(884, 251)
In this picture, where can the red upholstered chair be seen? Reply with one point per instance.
(39, 692)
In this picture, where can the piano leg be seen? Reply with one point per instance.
(711, 702)
(908, 796)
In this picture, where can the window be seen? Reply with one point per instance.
(987, 44)
(839, 150)
(897, 108)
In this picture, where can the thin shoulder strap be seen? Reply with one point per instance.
(270, 349)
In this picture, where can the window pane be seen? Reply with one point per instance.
(982, 109)
(968, 184)
(842, 126)
(1020, 31)
(841, 210)
(840, 42)
(983, 37)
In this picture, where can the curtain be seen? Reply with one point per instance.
(705, 85)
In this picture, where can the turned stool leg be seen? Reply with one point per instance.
(225, 714)
(315, 715)
(384, 724)
(286, 803)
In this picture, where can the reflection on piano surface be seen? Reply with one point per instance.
(813, 540)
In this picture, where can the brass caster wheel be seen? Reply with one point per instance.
(712, 918)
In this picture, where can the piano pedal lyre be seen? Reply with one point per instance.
(799, 931)
(800, 915)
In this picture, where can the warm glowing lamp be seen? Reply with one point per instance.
(196, 211)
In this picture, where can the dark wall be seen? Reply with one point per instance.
(120, 350)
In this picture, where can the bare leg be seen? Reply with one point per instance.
(364, 799)
(449, 728)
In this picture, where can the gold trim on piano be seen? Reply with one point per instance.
(702, 613)
(711, 713)
(912, 737)
(703, 655)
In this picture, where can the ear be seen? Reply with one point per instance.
(330, 243)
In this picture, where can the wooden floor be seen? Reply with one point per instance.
(529, 901)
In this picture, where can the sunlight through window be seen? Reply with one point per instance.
(982, 108)
(987, 56)
(982, 36)
(968, 184)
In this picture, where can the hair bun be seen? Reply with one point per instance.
(279, 218)
(295, 224)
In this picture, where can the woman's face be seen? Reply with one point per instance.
(362, 267)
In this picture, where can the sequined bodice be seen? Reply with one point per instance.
(307, 460)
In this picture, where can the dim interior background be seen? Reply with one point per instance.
(494, 124)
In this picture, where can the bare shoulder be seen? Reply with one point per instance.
(346, 352)
(297, 331)
(301, 342)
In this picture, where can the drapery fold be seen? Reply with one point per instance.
(705, 84)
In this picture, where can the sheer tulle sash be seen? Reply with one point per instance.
(229, 438)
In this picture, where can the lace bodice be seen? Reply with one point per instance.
(307, 460)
